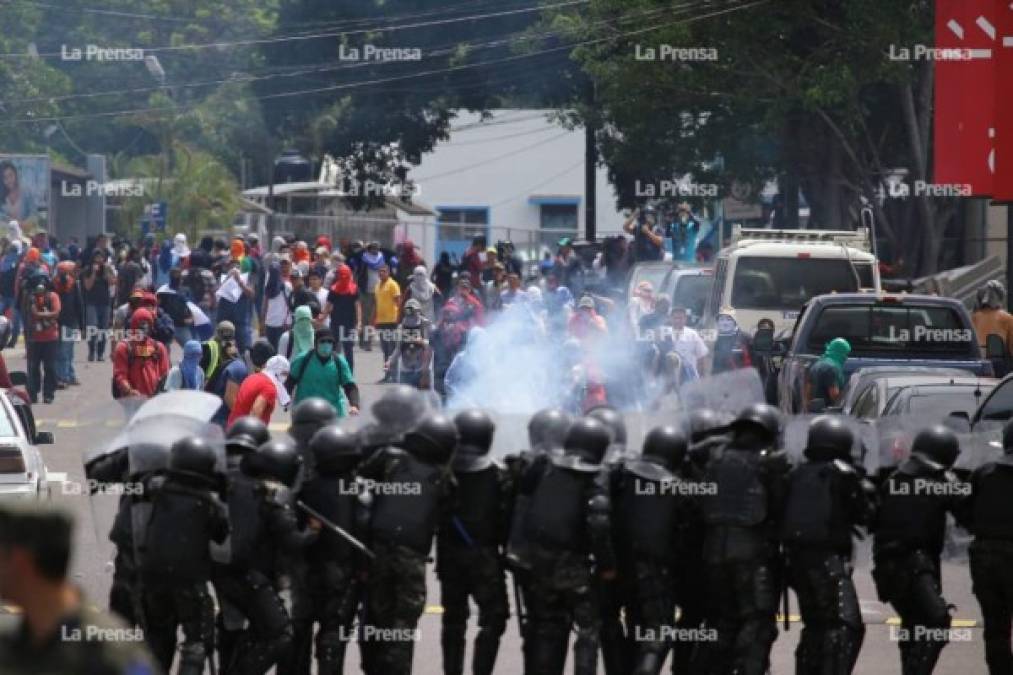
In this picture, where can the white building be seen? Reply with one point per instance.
(516, 175)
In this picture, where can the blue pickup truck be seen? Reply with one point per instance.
(883, 329)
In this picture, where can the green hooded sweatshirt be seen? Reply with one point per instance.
(834, 355)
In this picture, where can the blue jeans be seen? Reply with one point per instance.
(12, 304)
(65, 362)
(96, 317)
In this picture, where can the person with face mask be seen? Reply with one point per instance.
(684, 231)
(300, 338)
(139, 362)
(264, 390)
(187, 374)
(223, 371)
(324, 373)
(411, 362)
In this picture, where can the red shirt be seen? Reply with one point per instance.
(258, 384)
(45, 330)
(140, 365)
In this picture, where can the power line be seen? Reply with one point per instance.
(366, 83)
(315, 36)
(493, 160)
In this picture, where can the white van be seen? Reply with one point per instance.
(770, 274)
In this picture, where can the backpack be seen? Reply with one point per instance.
(164, 327)
(809, 511)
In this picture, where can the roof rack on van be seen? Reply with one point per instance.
(858, 239)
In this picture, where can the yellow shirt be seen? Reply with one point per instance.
(387, 293)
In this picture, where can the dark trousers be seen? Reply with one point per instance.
(348, 347)
(992, 574)
(186, 605)
(743, 611)
(96, 317)
(42, 355)
(388, 338)
(833, 629)
(328, 597)
(273, 334)
(910, 581)
(477, 573)
(395, 600)
(561, 599)
(268, 636)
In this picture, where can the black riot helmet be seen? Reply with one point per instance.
(192, 455)
(277, 459)
(938, 444)
(308, 416)
(760, 421)
(665, 445)
(246, 434)
(547, 429)
(588, 439)
(334, 449)
(434, 440)
(829, 437)
(399, 408)
(475, 431)
(612, 419)
(704, 422)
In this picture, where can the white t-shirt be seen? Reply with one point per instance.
(278, 314)
(321, 296)
(690, 347)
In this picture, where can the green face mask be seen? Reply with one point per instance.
(324, 349)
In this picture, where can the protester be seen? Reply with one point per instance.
(990, 316)
(686, 344)
(71, 320)
(648, 235)
(473, 261)
(387, 305)
(411, 362)
(9, 305)
(299, 340)
(187, 374)
(420, 288)
(139, 362)
(277, 313)
(325, 374)
(642, 302)
(235, 303)
(264, 389)
(513, 292)
(98, 278)
(345, 311)
(43, 343)
(825, 380)
(568, 266)
(443, 278)
(493, 288)
(370, 261)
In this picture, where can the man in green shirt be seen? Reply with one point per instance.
(324, 373)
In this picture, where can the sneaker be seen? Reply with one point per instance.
(100, 358)
(61, 385)
(48, 400)
(74, 383)
(91, 357)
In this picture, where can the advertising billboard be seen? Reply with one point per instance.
(25, 190)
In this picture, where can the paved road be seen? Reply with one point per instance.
(83, 417)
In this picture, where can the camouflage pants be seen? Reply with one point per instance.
(561, 597)
(328, 596)
(395, 600)
(189, 606)
(474, 572)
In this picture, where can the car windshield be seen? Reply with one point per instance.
(937, 402)
(788, 283)
(911, 331)
(654, 274)
(691, 292)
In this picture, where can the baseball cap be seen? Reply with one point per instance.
(586, 301)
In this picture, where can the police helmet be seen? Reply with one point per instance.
(277, 459)
(589, 439)
(547, 429)
(829, 433)
(938, 444)
(192, 455)
(433, 441)
(612, 419)
(308, 416)
(334, 449)
(666, 445)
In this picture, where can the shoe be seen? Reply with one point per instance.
(61, 385)
(100, 358)
(367, 348)
(47, 400)
(34, 400)
(74, 383)
(91, 357)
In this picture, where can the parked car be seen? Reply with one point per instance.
(23, 473)
(883, 330)
(860, 379)
(686, 286)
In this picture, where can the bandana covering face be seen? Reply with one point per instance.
(344, 284)
(277, 368)
(191, 360)
(302, 330)
(422, 289)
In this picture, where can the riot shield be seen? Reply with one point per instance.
(730, 391)
(864, 451)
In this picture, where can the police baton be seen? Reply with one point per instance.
(334, 528)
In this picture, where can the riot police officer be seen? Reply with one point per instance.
(825, 501)
(567, 523)
(909, 532)
(186, 516)
(245, 435)
(616, 646)
(989, 516)
(471, 535)
(647, 499)
(332, 562)
(410, 489)
(308, 417)
(261, 559)
(739, 548)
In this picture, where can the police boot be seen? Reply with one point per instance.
(809, 653)
(191, 658)
(546, 650)
(585, 653)
(330, 654)
(922, 657)
(650, 663)
(486, 648)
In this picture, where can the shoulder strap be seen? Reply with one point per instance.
(288, 345)
(302, 368)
